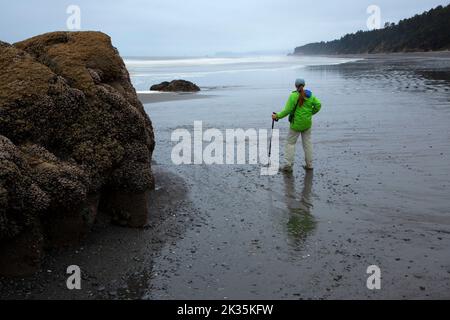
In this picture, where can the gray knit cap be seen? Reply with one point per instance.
(300, 82)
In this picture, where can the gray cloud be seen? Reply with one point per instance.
(199, 27)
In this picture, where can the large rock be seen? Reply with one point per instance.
(176, 86)
(74, 138)
(21, 203)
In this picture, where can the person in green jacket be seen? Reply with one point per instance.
(300, 107)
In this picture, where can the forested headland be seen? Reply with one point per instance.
(429, 31)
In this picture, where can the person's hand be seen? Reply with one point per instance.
(274, 116)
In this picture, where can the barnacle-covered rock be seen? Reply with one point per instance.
(73, 134)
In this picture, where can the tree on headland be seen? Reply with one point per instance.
(429, 31)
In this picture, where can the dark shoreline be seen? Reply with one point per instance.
(115, 262)
(443, 54)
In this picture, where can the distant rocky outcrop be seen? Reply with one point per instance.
(176, 86)
(74, 141)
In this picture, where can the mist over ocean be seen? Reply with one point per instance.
(268, 72)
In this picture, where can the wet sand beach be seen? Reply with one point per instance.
(155, 96)
(379, 195)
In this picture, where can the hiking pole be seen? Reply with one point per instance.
(271, 136)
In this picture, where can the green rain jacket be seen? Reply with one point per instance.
(302, 119)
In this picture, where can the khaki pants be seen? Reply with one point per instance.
(307, 147)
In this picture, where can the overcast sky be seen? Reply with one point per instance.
(204, 27)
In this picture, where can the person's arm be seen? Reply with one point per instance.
(290, 105)
(317, 105)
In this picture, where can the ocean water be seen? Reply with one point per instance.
(268, 72)
(240, 92)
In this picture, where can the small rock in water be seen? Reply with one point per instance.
(175, 86)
